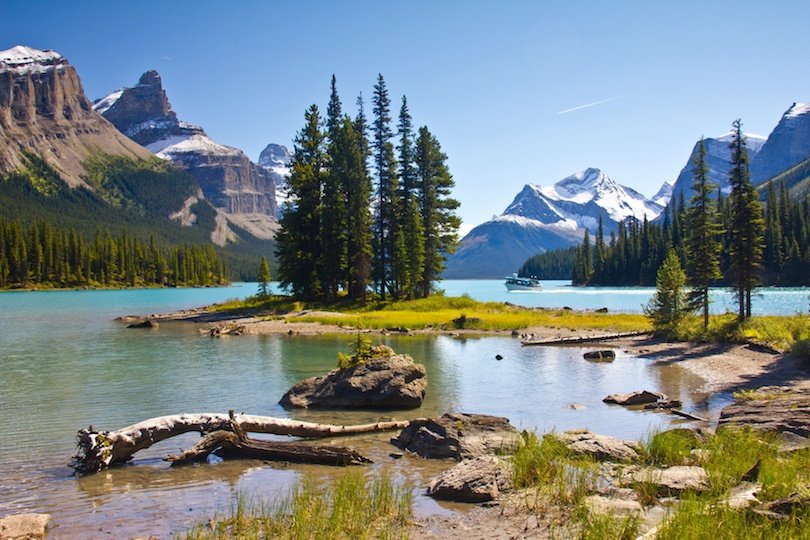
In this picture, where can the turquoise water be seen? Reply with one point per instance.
(67, 364)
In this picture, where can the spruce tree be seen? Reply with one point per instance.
(703, 230)
(410, 221)
(440, 223)
(667, 308)
(298, 243)
(263, 278)
(747, 225)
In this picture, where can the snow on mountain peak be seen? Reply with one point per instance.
(103, 105)
(797, 109)
(24, 59)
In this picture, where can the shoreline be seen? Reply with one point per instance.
(725, 367)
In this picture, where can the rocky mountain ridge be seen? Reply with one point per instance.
(44, 111)
(242, 191)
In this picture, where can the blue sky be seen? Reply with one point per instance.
(489, 79)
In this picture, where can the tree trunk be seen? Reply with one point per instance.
(98, 450)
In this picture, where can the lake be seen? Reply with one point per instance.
(67, 364)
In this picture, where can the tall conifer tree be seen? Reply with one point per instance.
(410, 222)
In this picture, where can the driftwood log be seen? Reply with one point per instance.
(98, 450)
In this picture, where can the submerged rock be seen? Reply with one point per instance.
(607, 355)
(640, 397)
(457, 436)
(23, 526)
(391, 382)
(146, 323)
(474, 480)
(600, 447)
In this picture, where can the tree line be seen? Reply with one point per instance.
(731, 240)
(42, 254)
(345, 230)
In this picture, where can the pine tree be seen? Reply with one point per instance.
(440, 223)
(667, 308)
(386, 234)
(298, 245)
(264, 278)
(410, 221)
(703, 230)
(747, 225)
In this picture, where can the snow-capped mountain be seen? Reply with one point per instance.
(663, 196)
(546, 217)
(787, 145)
(43, 110)
(243, 192)
(276, 159)
(718, 160)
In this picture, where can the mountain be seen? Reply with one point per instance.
(787, 145)
(664, 195)
(276, 159)
(718, 159)
(546, 217)
(243, 192)
(43, 111)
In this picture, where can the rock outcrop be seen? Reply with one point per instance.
(640, 397)
(601, 447)
(457, 435)
(774, 409)
(227, 177)
(392, 382)
(474, 480)
(43, 110)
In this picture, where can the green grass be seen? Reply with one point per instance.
(780, 331)
(352, 507)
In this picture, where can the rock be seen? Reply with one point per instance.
(744, 495)
(498, 357)
(604, 356)
(635, 398)
(23, 526)
(673, 479)
(473, 480)
(146, 323)
(785, 507)
(576, 406)
(665, 404)
(791, 442)
(775, 410)
(608, 506)
(601, 447)
(457, 435)
(602, 310)
(392, 382)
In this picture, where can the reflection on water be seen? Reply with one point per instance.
(66, 364)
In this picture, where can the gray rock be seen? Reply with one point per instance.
(636, 398)
(673, 479)
(609, 506)
(777, 410)
(457, 435)
(393, 382)
(744, 495)
(145, 323)
(23, 526)
(474, 480)
(601, 447)
(607, 355)
(791, 442)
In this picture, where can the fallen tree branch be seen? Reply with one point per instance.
(98, 450)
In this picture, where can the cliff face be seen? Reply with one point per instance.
(228, 178)
(43, 110)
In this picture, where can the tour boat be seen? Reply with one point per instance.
(517, 283)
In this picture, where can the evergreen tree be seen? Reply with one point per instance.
(440, 223)
(387, 245)
(410, 220)
(298, 243)
(333, 266)
(264, 278)
(703, 230)
(667, 308)
(747, 225)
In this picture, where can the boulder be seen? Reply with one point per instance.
(473, 480)
(601, 447)
(609, 506)
(607, 355)
(640, 397)
(145, 323)
(744, 495)
(391, 382)
(457, 435)
(673, 479)
(23, 526)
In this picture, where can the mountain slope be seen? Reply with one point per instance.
(43, 110)
(240, 189)
(546, 217)
(787, 145)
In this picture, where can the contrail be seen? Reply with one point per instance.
(595, 103)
